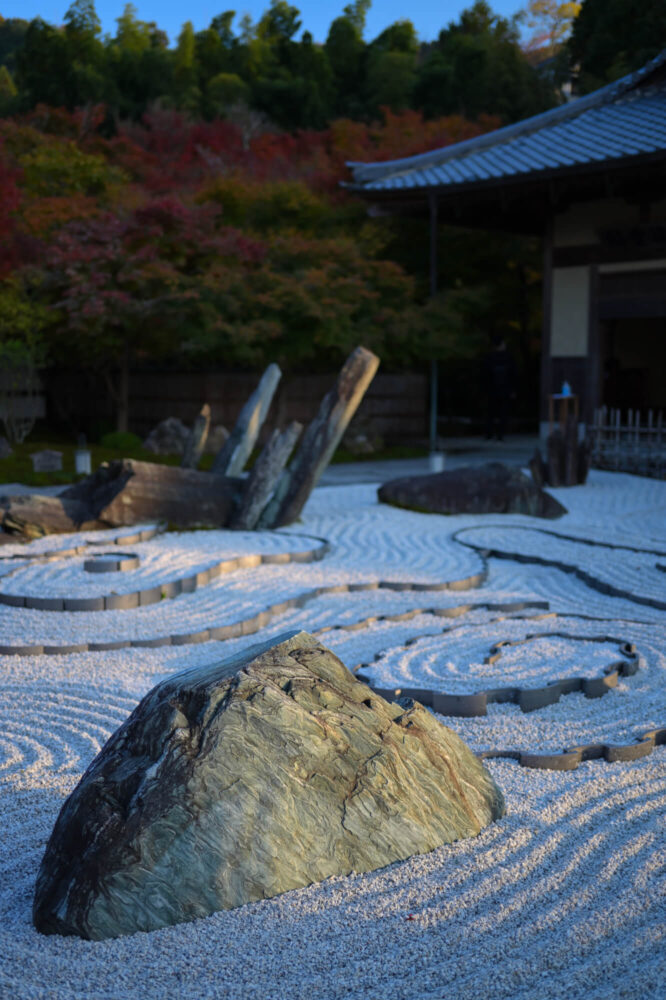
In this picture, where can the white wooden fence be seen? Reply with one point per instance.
(629, 444)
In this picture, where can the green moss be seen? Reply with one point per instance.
(18, 467)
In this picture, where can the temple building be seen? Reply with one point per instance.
(589, 177)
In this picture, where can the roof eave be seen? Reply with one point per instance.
(422, 193)
(365, 172)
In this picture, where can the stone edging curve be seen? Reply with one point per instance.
(599, 585)
(79, 550)
(153, 595)
(569, 759)
(246, 627)
(527, 699)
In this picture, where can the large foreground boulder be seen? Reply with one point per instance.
(484, 489)
(238, 781)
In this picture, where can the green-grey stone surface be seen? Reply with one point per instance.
(240, 780)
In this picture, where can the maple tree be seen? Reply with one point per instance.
(196, 242)
(126, 285)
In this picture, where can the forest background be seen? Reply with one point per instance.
(180, 206)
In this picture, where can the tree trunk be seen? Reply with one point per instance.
(122, 412)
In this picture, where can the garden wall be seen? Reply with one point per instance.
(395, 406)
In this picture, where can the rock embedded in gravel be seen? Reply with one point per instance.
(487, 489)
(240, 780)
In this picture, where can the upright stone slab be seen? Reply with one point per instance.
(47, 460)
(239, 780)
(197, 440)
(265, 473)
(321, 439)
(234, 453)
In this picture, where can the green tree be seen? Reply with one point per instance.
(8, 92)
(42, 66)
(187, 94)
(86, 55)
(391, 68)
(12, 37)
(479, 68)
(611, 38)
(140, 64)
(345, 50)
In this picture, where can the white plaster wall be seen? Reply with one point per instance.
(569, 319)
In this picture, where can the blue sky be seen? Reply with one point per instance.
(316, 15)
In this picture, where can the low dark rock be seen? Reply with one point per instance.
(169, 437)
(243, 779)
(485, 489)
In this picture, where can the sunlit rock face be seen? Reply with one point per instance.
(238, 781)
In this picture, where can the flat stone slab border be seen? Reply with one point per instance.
(592, 581)
(527, 699)
(572, 757)
(109, 562)
(246, 627)
(163, 591)
(145, 535)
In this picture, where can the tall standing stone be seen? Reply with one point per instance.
(197, 440)
(234, 453)
(239, 780)
(320, 440)
(265, 473)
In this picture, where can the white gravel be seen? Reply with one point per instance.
(563, 898)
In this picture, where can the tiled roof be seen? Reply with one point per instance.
(626, 118)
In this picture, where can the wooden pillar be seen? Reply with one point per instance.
(434, 371)
(546, 305)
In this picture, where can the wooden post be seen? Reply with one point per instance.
(263, 477)
(234, 453)
(571, 451)
(434, 368)
(320, 439)
(554, 448)
(197, 439)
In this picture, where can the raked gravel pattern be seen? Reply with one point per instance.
(563, 898)
(456, 660)
(163, 559)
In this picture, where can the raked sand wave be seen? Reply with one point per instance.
(563, 898)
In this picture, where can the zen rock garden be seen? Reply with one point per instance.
(244, 779)
(272, 494)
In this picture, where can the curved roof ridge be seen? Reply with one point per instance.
(364, 172)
